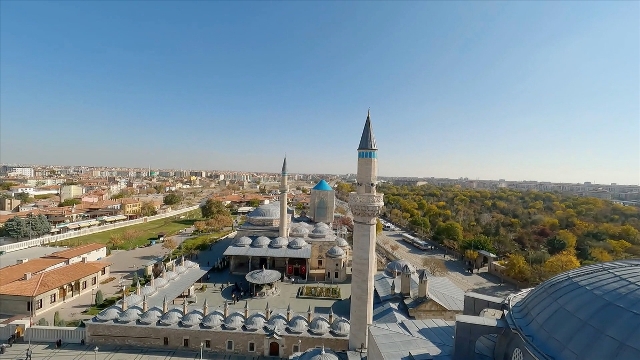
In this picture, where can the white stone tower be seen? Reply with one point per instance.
(284, 191)
(365, 205)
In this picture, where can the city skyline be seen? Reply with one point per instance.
(516, 91)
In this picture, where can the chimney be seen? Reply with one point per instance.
(27, 276)
(84, 259)
(184, 306)
(22, 261)
(423, 285)
(405, 281)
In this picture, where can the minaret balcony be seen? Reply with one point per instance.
(366, 205)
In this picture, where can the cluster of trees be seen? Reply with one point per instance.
(70, 202)
(216, 214)
(539, 233)
(147, 208)
(172, 199)
(27, 227)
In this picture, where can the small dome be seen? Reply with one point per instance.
(341, 327)
(180, 269)
(297, 243)
(243, 242)
(190, 264)
(234, 321)
(147, 290)
(396, 267)
(160, 282)
(277, 321)
(319, 354)
(299, 231)
(192, 319)
(132, 299)
(267, 211)
(261, 241)
(172, 317)
(111, 313)
(171, 275)
(322, 225)
(335, 252)
(298, 325)
(319, 326)
(213, 320)
(255, 321)
(322, 186)
(342, 242)
(151, 316)
(129, 315)
(279, 242)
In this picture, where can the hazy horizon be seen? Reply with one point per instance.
(544, 91)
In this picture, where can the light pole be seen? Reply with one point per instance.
(95, 353)
(201, 346)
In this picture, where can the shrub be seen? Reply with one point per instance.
(99, 298)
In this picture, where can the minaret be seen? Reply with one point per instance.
(365, 205)
(284, 191)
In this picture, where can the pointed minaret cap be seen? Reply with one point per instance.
(284, 165)
(205, 308)
(367, 141)
(246, 309)
(145, 305)
(184, 306)
(165, 306)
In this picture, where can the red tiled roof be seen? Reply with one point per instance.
(76, 251)
(16, 272)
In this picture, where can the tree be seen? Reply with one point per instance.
(172, 199)
(600, 254)
(56, 319)
(435, 266)
(450, 230)
(471, 254)
(479, 242)
(568, 237)
(254, 202)
(378, 226)
(517, 267)
(16, 227)
(219, 222)
(619, 246)
(6, 185)
(116, 240)
(135, 279)
(99, 298)
(22, 196)
(42, 322)
(169, 244)
(561, 262)
(148, 209)
(556, 245)
(213, 207)
(200, 226)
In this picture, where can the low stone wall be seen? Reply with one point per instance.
(498, 270)
(53, 333)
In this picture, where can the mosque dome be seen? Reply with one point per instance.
(279, 242)
(322, 225)
(213, 320)
(299, 231)
(261, 241)
(243, 242)
(319, 326)
(591, 312)
(320, 231)
(322, 186)
(277, 321)
(335, 252)
(172, 317)
(151, 316)
(111, 313)
(396, 267)
(132, 299)
(297, 243)
(255, 321)
(319, 354)
(192, 319)
(266, 211)
(342, 242)
(298, 325)
(129, 315)
(234, 321)
(341, 327)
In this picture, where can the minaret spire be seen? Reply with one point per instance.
(284, 191)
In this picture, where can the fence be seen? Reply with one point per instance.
(53, 333)
(53, 238)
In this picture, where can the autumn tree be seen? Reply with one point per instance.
(517, 268)
(435, 266)
(471, 254)
(116, 240)
(171, 199)
(394, 247)
(449, 230)
(219, 222)
(618, 246)
(568, 237)
(200, 226)
(561, 262)
(600, 254)
(213, 207)
(148, 209)
(169, 244)
(378, 226)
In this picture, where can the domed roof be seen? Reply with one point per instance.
(242, 242)
(335, 252)
(277, 321)
(298, 324)
(341, 327)
(255, 321)
(111, 313)
(213, 320)
(151, 316)
(319, 354)
(234, 321)
(297, 243)
(322, 186)
(192, 319)
(300, 231)
(322, 225)
(279, 242)
(147, 290)
(132, 299)
(266, 211)
(319, 326)
(260, 242)
(160, 282)
(171, 275)
(396, 267)
(342, 242)
(320, 231)
(263, 276)
(172, 317)
(591, 312)
(129, 315)
(180, 269)
(190, 264)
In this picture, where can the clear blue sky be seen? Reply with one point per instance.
(516, 90)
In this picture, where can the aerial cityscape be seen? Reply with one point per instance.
(319, 180)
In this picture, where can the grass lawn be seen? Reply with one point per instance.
(144, 232)
(198, 243)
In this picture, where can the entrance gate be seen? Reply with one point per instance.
(274, 349)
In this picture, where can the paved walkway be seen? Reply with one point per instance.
(87, 352)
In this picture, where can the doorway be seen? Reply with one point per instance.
(274, 349)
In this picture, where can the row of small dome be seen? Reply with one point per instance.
(320, 230)
(280, 242)
(158, 283)
(298, 324)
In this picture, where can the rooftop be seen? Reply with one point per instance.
(76, 251)
(16, 272)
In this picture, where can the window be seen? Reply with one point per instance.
(328, 274)
(28, 305)
(296, 348)
(336, 274)
(229, 345)
(38, 304)
(104, 271)
(94, 280)
(252, 346)
(207, 344)
(166, 341)
(84, 284)
(319, 262)
(52, 298)
(185, 342)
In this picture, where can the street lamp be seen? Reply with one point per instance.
(95, 353)
(201, 346)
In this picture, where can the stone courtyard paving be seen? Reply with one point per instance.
(42, 351)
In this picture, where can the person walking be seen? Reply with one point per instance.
(28, 354)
